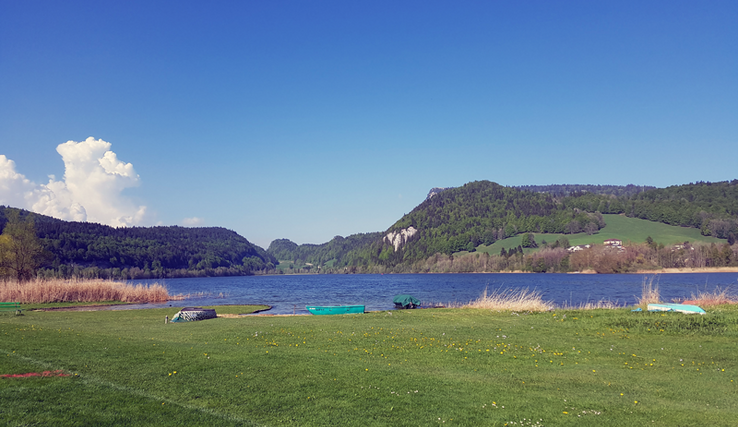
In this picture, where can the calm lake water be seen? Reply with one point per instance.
(288, 294)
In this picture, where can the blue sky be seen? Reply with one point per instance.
(306, 120)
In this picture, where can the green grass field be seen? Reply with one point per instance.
(629, 230)
(402, 368)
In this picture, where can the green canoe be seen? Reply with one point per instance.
(334, 309)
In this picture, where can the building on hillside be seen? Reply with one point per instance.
(680, 246)
(613, 242)
(578, 248)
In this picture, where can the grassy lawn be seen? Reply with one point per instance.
(417, 367)
(629, 230)
(34, 306)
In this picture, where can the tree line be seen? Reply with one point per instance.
(81, 249)
(555, 258)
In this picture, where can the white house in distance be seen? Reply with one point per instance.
(613, 242)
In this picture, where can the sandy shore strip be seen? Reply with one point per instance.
(691, 270)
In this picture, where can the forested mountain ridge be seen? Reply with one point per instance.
(133, 252)
(461, 218)
(452, 220)
(481, 212)
(344, 250)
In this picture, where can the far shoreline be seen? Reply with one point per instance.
(691, 270)
(642, 271)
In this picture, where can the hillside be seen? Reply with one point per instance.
(711, 207)
(451, 220)
(477, 213)
(486, 216)
(82, 248)
(345, 249)
(629, 230)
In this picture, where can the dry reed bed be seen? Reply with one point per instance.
(57, 290)
(527, 300)
(716, 297)
(511, 299)
(593, 305)
(649, 292)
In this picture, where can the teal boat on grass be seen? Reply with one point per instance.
(334, 309)
(681, 308)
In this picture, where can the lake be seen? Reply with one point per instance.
(289, 294)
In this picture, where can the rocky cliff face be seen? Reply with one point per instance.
(399, 238)
(436, 190)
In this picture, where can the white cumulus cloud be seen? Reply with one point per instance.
(91, 189)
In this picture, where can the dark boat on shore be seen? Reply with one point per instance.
(406, 301)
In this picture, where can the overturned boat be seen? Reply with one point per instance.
(193, 314)
(406, 301)
(680, 308)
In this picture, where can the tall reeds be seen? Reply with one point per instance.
(603, 304)
(649, 292)
(511, 299)
(716, 297)
(77, 290)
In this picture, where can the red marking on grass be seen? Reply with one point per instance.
(57, 373)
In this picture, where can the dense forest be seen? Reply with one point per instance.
(95, 250)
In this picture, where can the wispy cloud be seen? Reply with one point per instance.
(193, 222)
(91, 190)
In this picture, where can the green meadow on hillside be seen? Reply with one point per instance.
(400, 368)
(631, 230)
